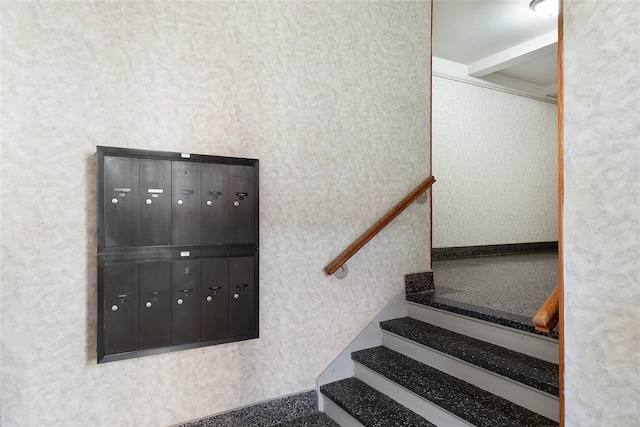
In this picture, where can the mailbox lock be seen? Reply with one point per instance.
(180, 202)
(148, 304)
(209, 203)
(148, 201)
(114, 308)
(180, 301)
(236, 296)
(209, 298)
(236, 203)
(186, 270)
(114, 201)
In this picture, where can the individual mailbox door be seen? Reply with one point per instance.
(155, 202)
(155, 304)
(185, 312)
(185, 206)
(241, 296)
(215, 303)
(241, 204)
(121, 312)
(215, 181)
(121, 179)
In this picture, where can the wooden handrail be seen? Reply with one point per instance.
(547, 317)
(378, 226)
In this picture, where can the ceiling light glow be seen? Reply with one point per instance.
(545, 8)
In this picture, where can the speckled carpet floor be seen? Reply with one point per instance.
(517, 284)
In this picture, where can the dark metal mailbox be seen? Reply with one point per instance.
(215, 305)
(241, 296)
(185, 311)
(241, 204)
(155, 304)
(120, 196)
(155, 202)
(215, 190)
(120, 305)
(185, 207)
(177, 251)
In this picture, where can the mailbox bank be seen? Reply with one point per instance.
(177, 251)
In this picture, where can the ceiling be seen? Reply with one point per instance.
(496, 43)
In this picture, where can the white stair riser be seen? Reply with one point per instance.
(538, 346)
(371, 336)
(408, 399)
(518, 393)
(337, 414)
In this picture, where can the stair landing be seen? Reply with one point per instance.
(517, 284)
(507, 289)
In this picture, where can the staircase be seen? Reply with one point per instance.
(428, 362)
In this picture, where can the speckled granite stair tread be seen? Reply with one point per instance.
(315, 420)
(525, 369)
(476, 406)
(370, 407)
(510, 320)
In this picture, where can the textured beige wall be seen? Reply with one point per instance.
(496, 163)
(333, 99)
(602, 213)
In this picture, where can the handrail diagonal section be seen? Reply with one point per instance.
(547, 316)
(339, 261)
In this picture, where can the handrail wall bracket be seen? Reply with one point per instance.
(341, 272)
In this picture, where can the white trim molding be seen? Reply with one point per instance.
(460, 72)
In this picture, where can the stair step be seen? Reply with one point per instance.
(486, 314)
(535, 345)
(370, 407)
(519, 367)
(315, 420)
(468, 402)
